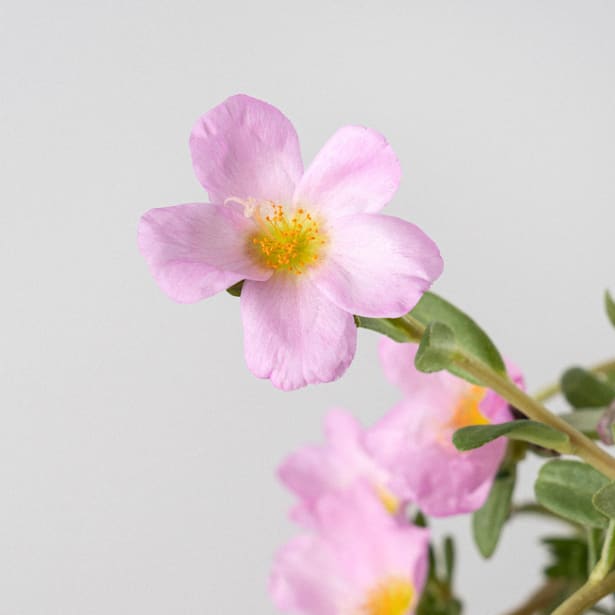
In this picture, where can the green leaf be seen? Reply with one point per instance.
(469, 337)
(604, 500)
(437, 348)
(438, 597)
(473, 436)
(391, 327)
(609, 304)
(568, 558)
(449, 558)
(488, 521)
(235, 289)
(566, 487)
(583, 389)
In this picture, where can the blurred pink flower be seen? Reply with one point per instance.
(359, 561)
(414, 440)
(315, 471)
(310, 245)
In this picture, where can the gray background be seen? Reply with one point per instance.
(137, 453)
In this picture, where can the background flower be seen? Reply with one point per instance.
(359, 560)
(414, 440)
(343, 461)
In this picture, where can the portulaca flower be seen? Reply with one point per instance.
(313, 472)
(358, 561)
(414, 439)
(310, 245)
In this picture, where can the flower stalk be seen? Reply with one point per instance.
(587, 596)
(553, 389)
(580, 445)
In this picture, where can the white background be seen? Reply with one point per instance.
(137, 453)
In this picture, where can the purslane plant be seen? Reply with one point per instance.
(312, 260)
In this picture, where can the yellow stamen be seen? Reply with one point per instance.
(389, 501)
(287, 240)
(468, 411)
(393, 597)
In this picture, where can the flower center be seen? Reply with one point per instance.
(393, 597)
(287, 240)
(468, 411)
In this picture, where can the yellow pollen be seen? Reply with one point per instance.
(287, 240)
(389, 501)
(468, 411)
(393, 597)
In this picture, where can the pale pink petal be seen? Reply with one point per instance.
(293, 334)
(456, 484)
(372, 545)
(297, 583)
(356, 171)
(315, 471)
(397, 362)
(377, 265)
(358, 547)
(246, 148)
(196, 250)
(414, 440)
(515, 374)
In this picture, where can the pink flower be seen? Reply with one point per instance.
(310, 245)
(315, 471)
(359, 562)
(414, 440)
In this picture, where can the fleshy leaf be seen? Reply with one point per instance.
(566, 487)
(604, 500)
(449, 558)
(533, 432)
(583, 389)
(391, 327)
(609, 304)
(568, 558)
(469, 337)
(488, 521)
(437, 348)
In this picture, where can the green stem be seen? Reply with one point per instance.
(607, 556)
(588, 595)
(607, 367)
(593, 544)
(580, 444)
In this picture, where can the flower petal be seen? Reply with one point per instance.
(293, 334)
(397, 362)
(297, 583)
(414, 442)
(196, 250)
(314, 471)
(377, 265)
(246, 148)
(357, 549)
(356, 171)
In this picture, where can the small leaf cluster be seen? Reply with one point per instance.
(438, 597)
